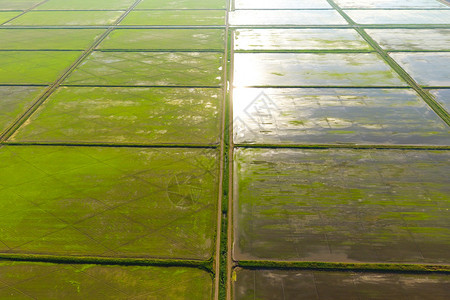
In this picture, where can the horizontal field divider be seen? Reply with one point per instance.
(402, 26)
(367, 26)
(118, 261)
(41, 50)
(62, 10)
(343, 146)
(147, 86)
(412, 51)
(399, 8)
(162, 50)
(435, 87)
(113, 145)
(23, 84)
(140, 9)
(297, 9)
(322, 87)
(113, 27)
(357, 267)
(340, 51)
(371, 26)
(171, 9)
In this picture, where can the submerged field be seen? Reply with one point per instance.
(219, 149)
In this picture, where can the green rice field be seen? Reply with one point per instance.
(225, 149)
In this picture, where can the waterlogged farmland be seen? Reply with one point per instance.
(224, 149)
(345, 92)
(384, 205)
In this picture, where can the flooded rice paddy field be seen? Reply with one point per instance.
(224, 149)
(278, 284)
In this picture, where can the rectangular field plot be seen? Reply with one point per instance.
(412, 39)
(342, 205)
(48, 39)
(17, 4)
(291, 284)
(7, 15)
(330, 116)
(428, 69)
(149, 68)
(34, 67)
(281, 4)
(126, 115)
(298, 39)
(165, 39)
(87, 4)
(313, 69)
(443, 97)
(182, 4)
(175, 17)
(14, 101)
(422, 4)
(286, 17)
(67, 18)
(390, 17)
(127, 202)
(21, 280)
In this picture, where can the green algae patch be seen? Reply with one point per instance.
(318, 69)
(167, 39)
(175, 17)
(335, 116)
(67, 18)
(295, 284)
(86, 4)
(341, 205)
(101, 282)
(14, 101)
(34, 67)
(126, 115)
(182, 4)
(149, 68)
(108, 202)
(48, 39)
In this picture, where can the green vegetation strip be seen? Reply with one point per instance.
(329, 266)
(222, 259)
(204, 265)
